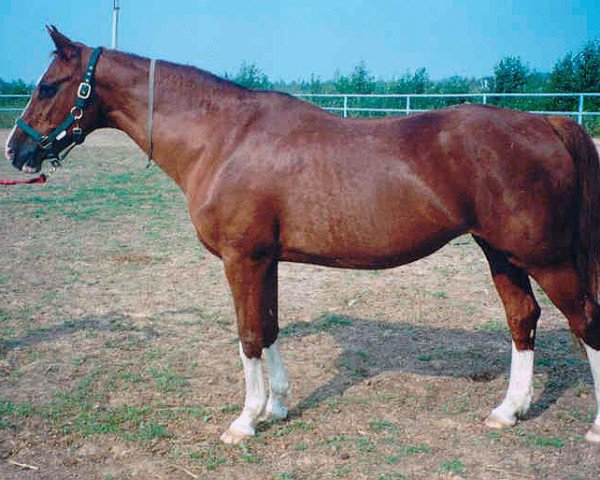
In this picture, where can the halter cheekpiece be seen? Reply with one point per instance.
(48, 143)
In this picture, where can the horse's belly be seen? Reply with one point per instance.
(386, 245)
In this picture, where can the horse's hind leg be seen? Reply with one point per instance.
(564, 287)
(522, 313)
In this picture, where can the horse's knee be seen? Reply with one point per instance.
(253, 342)
(252, 346)
(523, 322)
(587, 326)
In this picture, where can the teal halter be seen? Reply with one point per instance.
(48, 142)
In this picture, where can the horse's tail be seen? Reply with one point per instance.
(587, 231)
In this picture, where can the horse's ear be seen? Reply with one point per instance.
(65, 48)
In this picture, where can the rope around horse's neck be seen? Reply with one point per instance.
(151, 77)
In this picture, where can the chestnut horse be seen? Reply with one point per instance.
(269, 178)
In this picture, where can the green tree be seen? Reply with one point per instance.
(359, 81)
(455, 84)
(511, 75)
(587, 67)
(562, 77)
(15, 87)
(417, 82)
(250, 76)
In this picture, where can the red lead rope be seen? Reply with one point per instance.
(41, 179)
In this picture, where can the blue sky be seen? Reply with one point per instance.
(290, 39)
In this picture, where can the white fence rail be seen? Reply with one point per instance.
(16, 96)
(345, 104)
(344, 108)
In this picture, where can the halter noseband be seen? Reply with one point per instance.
(47, 143)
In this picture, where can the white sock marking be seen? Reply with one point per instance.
(520, 386)
(255, 401)
(278, 382)
(594, 359)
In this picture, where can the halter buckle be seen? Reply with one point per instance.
(77, 134)
(44, 142)
(84, 90)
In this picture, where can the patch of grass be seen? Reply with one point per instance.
(101, 198)
(283, 476)
(84, 411)
(354, 362)
(416, 449)
(210, 456)
(291, 427)
(454, 466)
(322, 325)
(300, 447)
(365, 445)
(229, 409)
(456, 405)
(383, 425)
(493, 326)
(572, 414)
(439, 294)
(10, 409)
(150, 430)
(247, 455)
(168, 380)
(341, 472)
(5, 316)
(336, 441)
(542, 442)
(391, 476)
(544, 362)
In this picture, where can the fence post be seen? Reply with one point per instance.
(345, 106)
(580, 111)
(407, 104)
(484, 99)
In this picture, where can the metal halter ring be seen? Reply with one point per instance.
(77, 112)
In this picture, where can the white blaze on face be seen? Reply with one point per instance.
(7, 153)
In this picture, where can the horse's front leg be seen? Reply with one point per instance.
(253, 284)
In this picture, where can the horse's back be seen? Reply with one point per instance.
(399, 189)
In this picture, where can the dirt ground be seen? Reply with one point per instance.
(118, 353)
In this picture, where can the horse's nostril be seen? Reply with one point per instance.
(8, 153)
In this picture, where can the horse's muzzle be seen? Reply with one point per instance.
(27, 158)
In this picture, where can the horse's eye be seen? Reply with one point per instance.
(47, 90)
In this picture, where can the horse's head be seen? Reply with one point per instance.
(39, 133)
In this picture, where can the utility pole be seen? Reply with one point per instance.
(115, 23)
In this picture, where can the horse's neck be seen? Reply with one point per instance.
(183, 102)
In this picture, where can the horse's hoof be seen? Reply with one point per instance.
(278, 412)
(593, 435)
(233, 437)
(497, 422)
